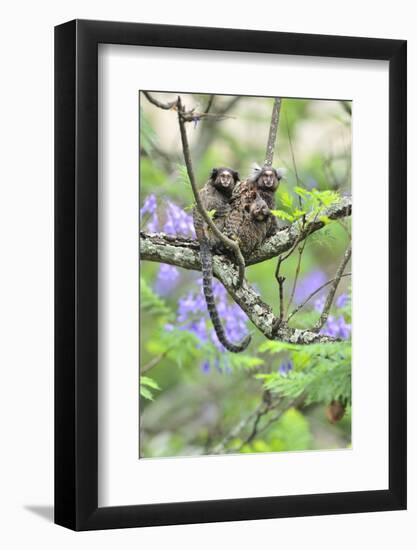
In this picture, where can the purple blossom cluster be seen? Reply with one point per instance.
(178, 222)
(149, 208)
(285, 368)
(308, 284)
(167, 279)
(342, 300)
(337, 327)
(192, 316)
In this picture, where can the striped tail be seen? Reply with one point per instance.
(207, 270)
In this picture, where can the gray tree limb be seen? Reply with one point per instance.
(184, 253)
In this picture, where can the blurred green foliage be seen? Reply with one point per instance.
(192, 394)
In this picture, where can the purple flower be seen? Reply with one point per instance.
(192, 316)
(167, 279)
(311, 183)
(149, 207)
(191, 304)
(319, 303)
(178, 222)
(308, 284)
(337, 328)
(285, 368)
(205, 367)
(198, 328)
(153, 224)
(342, 300)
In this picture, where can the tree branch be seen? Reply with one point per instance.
(184, 253)
(231, 245)
(323, 317)
(297, 309)
(273, 129)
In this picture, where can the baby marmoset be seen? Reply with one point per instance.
(249, 221)
(267, 180)
(215, 195)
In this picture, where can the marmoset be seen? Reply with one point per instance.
(249, 220)
(215, 195)
(266, 180)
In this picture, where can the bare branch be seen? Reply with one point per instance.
(154, 361)
(187, 116)
(262, 410)
(234, 432)
(297, 309)
(347, 107)
(323, 317)
(231, 245)
(166, 106)
(273, 129)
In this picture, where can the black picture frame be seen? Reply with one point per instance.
(76, 272)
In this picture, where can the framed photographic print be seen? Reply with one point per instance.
(230, 275)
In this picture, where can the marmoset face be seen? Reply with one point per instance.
(268, 180)
(225, 179)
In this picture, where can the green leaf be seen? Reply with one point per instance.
(273, 346)
(283, 215)
(286, 199)
(241, 361)
(322, 372)
(146, 393)
(325, 219)
(151, 302)
(182, 175)
(146, 381)
(211, 213)
(299, 213)
(303, 193)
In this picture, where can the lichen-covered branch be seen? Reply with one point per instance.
(273, 129)
(185, 253)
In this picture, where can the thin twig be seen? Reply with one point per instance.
(297, 309)
(153, 362)
(300, 200)
(230, 244)
(281, 298)
(280, 280)
(273, 129)
(325, 313)
(160, 104)
(209, 104)
(234, 432)
(187, 116)
(297, 273)
(257, 430)
(347, 107)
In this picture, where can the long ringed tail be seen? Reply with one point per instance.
(207, 271)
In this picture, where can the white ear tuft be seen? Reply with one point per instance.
(281, 173)
(255, 169)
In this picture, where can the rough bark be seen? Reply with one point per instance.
(184, 253)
